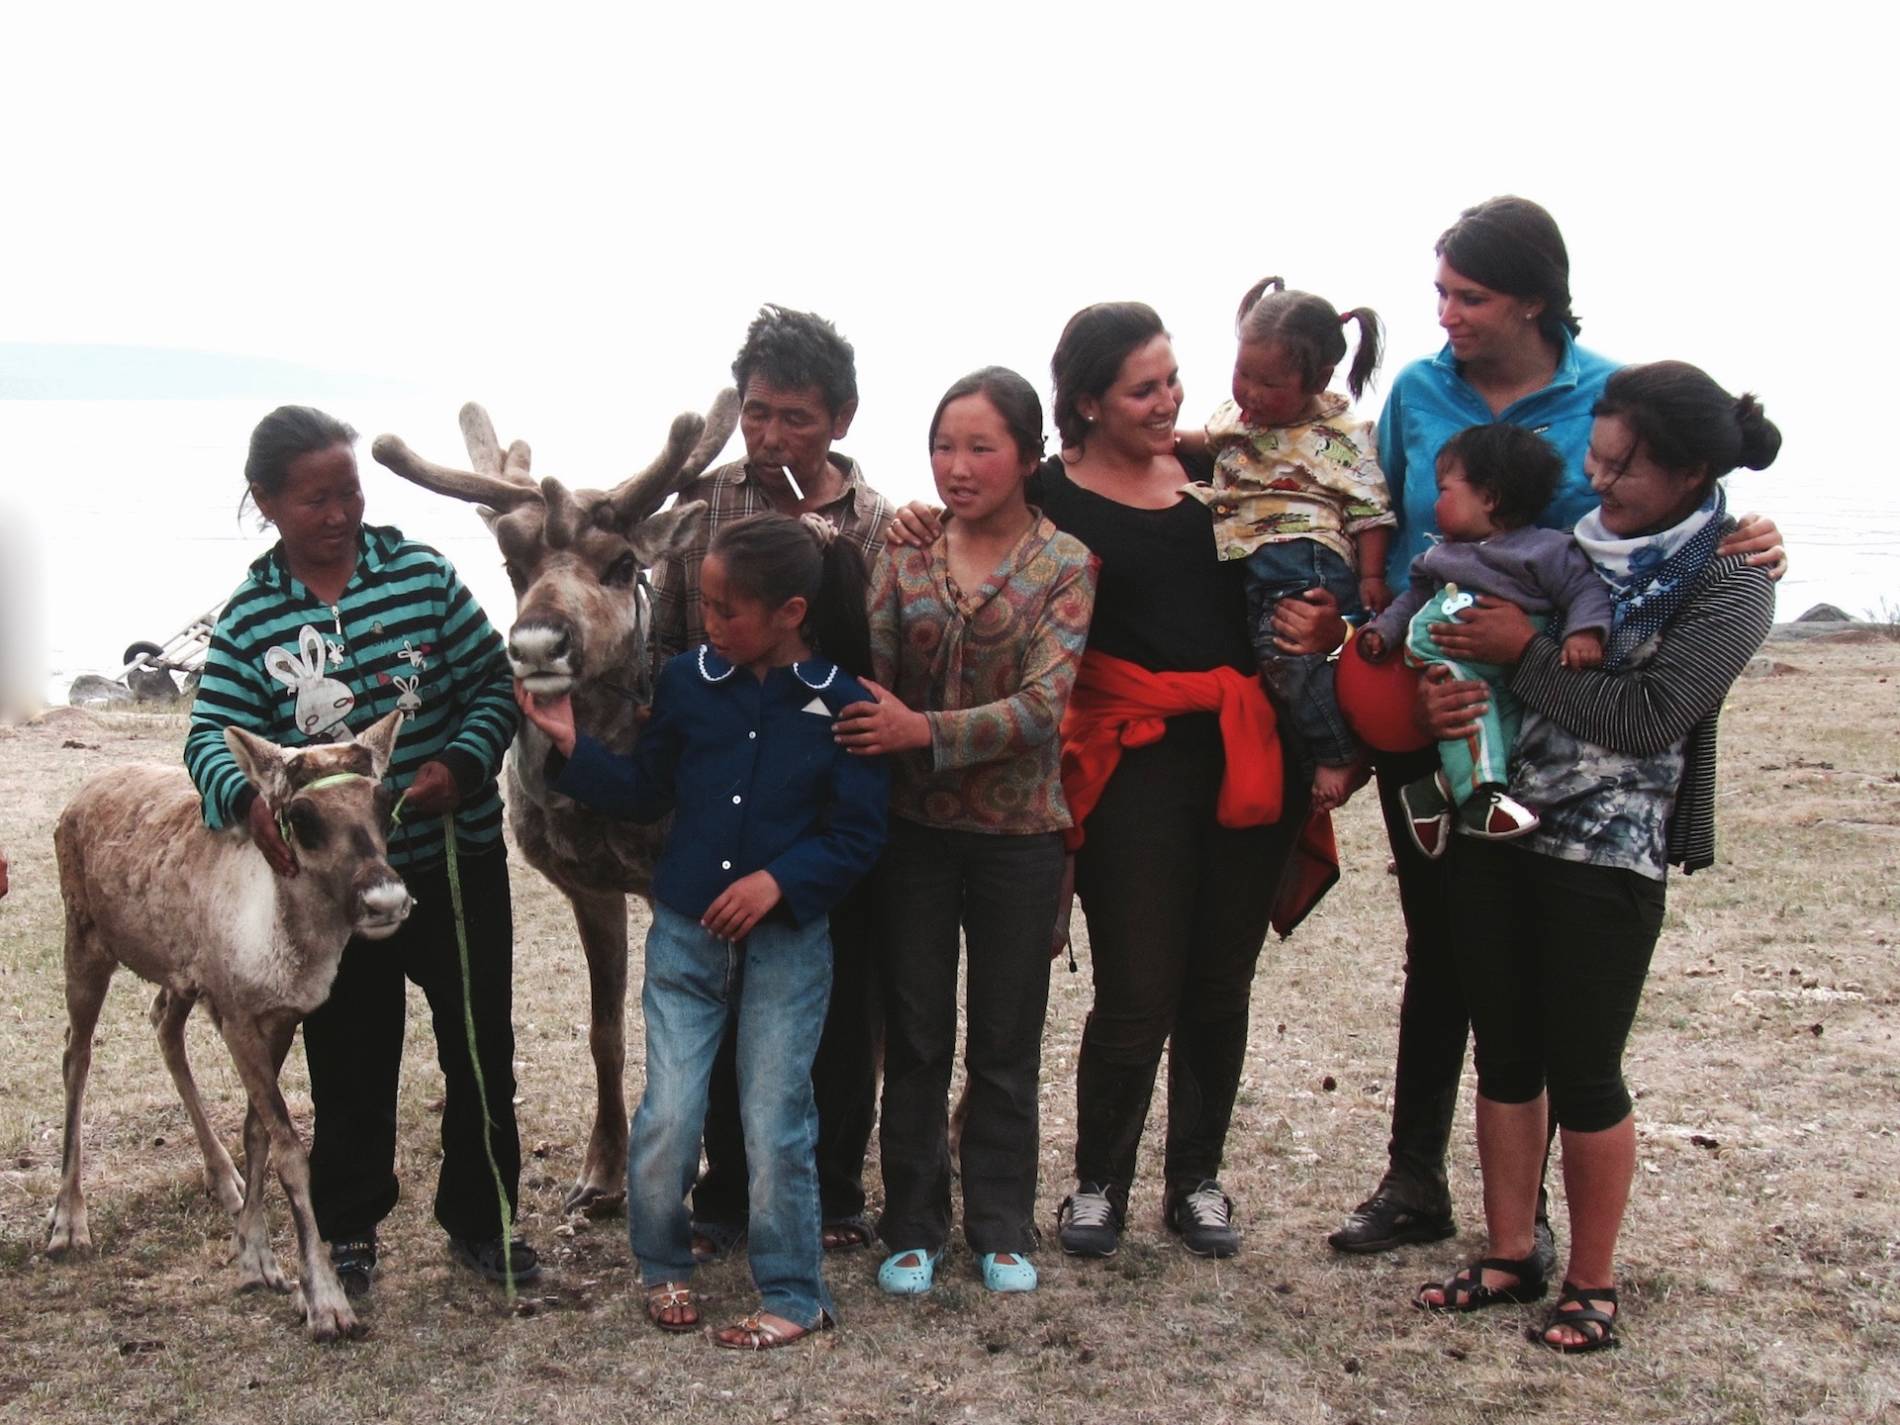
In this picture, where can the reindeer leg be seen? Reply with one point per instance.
(88, 971)
(251, 1249)
(169, 1013)
(601, 917)
(258, 1048)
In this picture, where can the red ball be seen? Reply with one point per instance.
(1378, 698)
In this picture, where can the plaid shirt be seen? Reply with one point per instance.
(731, 493)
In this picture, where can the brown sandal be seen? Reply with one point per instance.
(755, 1333)
(663, 1297)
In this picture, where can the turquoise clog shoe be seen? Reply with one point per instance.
(915, 1279)
(1018, 1275)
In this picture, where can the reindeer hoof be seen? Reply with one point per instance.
(68, 1235)
(593, 1200)
(258, 1270)
(334, 1322)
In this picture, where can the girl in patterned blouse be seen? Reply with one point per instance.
(976, 640)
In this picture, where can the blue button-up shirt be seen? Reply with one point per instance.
(1431, 402)
(754, 780)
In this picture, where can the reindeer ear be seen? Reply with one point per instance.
(670, 529)
(380, 739)
(262, 764)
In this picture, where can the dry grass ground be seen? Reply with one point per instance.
(1758, 1263)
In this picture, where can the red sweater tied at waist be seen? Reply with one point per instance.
(1117, 704)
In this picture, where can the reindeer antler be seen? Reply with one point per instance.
(690, 448)
(484, 451)
(502, 482)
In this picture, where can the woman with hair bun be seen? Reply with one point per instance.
(1553, 932)
(1510, 355)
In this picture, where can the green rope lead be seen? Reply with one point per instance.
(475, 1062)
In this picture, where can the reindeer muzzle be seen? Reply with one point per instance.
(381, 906)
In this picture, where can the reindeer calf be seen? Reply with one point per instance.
(201, 915)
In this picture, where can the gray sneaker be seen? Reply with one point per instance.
(1087, 1224)
(1203, 1218)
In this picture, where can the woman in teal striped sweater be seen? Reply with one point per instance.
(337, 625)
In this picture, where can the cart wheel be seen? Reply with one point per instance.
(141, 649)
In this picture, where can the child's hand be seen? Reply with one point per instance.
(741, 905)
(1583, 650)
(1371, 643)
(1375, 593)
(915, 526)
(887, 725)
(554, 716)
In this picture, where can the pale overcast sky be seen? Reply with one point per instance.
(573, 211)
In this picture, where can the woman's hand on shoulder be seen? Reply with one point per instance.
(1490, 631)
(916, 525)
(1756, 536)
(1448, 708)
(884, 725)
(554, 716)
(1308, 623)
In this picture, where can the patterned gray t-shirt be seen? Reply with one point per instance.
(1607, 808)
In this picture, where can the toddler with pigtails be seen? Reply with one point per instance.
(1298, 494)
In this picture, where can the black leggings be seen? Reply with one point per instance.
(1552, 955)
(353, 1045)
(1177, 910)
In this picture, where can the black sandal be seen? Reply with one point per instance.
(1466, 1290)
(1598, 1328)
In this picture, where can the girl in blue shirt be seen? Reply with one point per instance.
(772, 823)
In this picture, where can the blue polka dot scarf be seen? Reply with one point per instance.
(1650, 575)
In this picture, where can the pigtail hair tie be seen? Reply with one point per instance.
(820, 528)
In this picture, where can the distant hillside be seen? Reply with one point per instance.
(45, 371)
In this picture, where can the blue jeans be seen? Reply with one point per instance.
(776, 982)
(1301, 683)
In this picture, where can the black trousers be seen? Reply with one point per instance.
(1553, 955)
(1434, 1025)
(1177, 908)
(353, 1045)
(1002, 892)
(843, 1080)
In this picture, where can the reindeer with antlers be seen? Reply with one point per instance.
(577, 559)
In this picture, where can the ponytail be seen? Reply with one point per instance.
(774, 558)
(1252, 299)
(1365, 360)
(839, 623)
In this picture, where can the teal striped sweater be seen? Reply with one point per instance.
(406, 634)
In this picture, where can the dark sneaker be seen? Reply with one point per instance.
(1087, 1224)
(483, 1255)
(1203, 1216)
(1382, 1222)
(355, 1264)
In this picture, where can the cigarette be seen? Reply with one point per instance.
(792, 480)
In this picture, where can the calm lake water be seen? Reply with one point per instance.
(118, 518)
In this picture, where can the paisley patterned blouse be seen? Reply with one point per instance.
(991, 669)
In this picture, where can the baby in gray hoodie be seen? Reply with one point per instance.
(1493, 481)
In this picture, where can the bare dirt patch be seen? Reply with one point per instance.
(1760, 1262)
